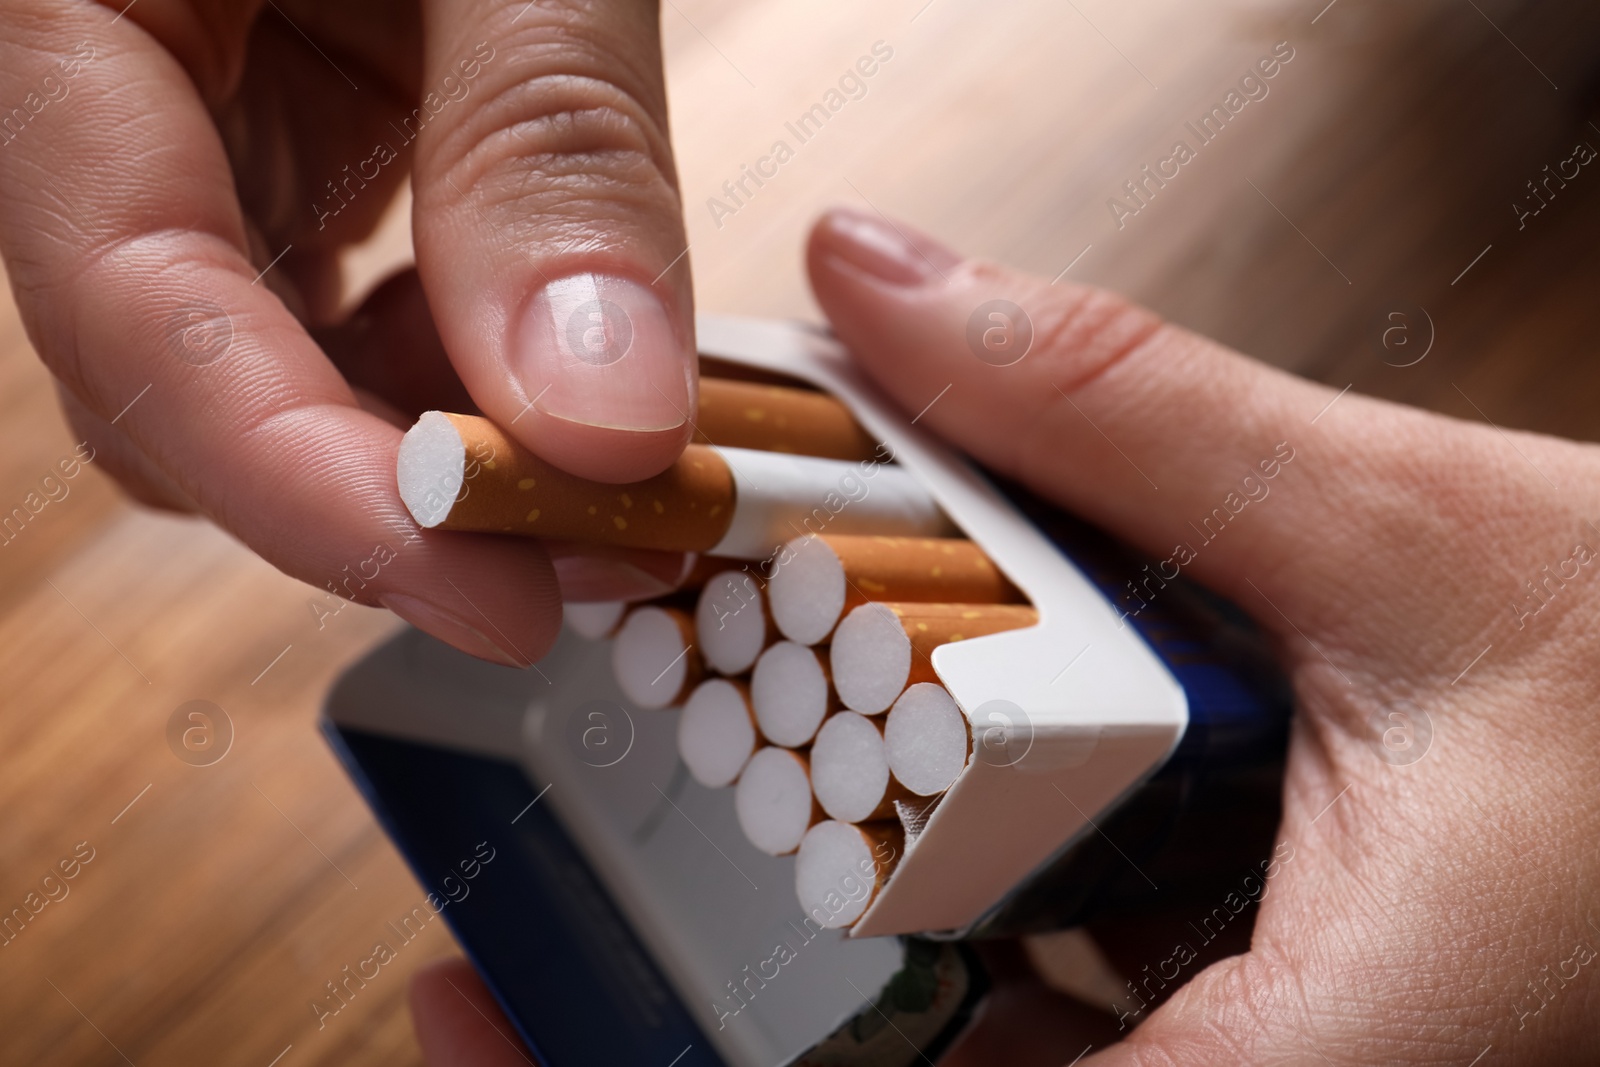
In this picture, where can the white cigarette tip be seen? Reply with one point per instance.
(430, 468)
(834, 874)
(648, 658)
(731, 622)
(849, 772)
(773, 801)
(925, 739)
(790, 693)
(715, 734)
(807, 592)
(871, 658)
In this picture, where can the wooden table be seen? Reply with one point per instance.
(1376, 176)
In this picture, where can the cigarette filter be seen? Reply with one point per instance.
(461, 472)
(842, 866)
(717, 731)
(733, 622)
(850, 771)
(820, 578)
(779, 418)
(653, 656)
(791, 692)
(596, 620)
(879, 649)
(773, 800)
(925, 739)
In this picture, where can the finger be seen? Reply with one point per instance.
(311, 155)
(128, 258)
(117, 456)
(1022, 1022)
(549, 231)
(1122, 418)
(390, 346)
(390, 352)
(601, 572)
(457, 1021)
(1171, 441)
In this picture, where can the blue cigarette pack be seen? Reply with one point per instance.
(1127, 755)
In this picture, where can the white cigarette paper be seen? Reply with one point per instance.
(778, 494)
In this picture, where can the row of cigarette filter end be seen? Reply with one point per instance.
(812, 694)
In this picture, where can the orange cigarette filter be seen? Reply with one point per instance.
(828, 575)
(776, 418)
(503, 487)
(930, 625)
(879, 649)
(461, 472)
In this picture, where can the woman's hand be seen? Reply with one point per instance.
(1440, 806)
(176, 180)
(1432, 585)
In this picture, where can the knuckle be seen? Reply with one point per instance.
(1089, 333)
(1079, 337)
(563, 125)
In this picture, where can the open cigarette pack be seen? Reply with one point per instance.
(896, 706)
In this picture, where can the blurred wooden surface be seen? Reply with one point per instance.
(1385, 158)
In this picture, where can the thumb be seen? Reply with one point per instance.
(456, 1019)
(549, 231)
(1160, 436)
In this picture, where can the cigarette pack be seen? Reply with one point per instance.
(1126, 756)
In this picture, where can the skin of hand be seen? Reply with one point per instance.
(177, 178)
(1440, 815)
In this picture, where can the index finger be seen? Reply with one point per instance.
(129, 260)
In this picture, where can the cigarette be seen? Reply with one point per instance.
(925, 739)
(790, 690)
(732, 620)
(653, 656)
(777, 418)
(717, 732)
(841, 868)
(773, 800)
(819, 578)
(850, 772)
(461, 472)
(596, 620)
(881, 648)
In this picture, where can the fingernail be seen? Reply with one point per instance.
(892, 253)
(602, 351)
(449, 629)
